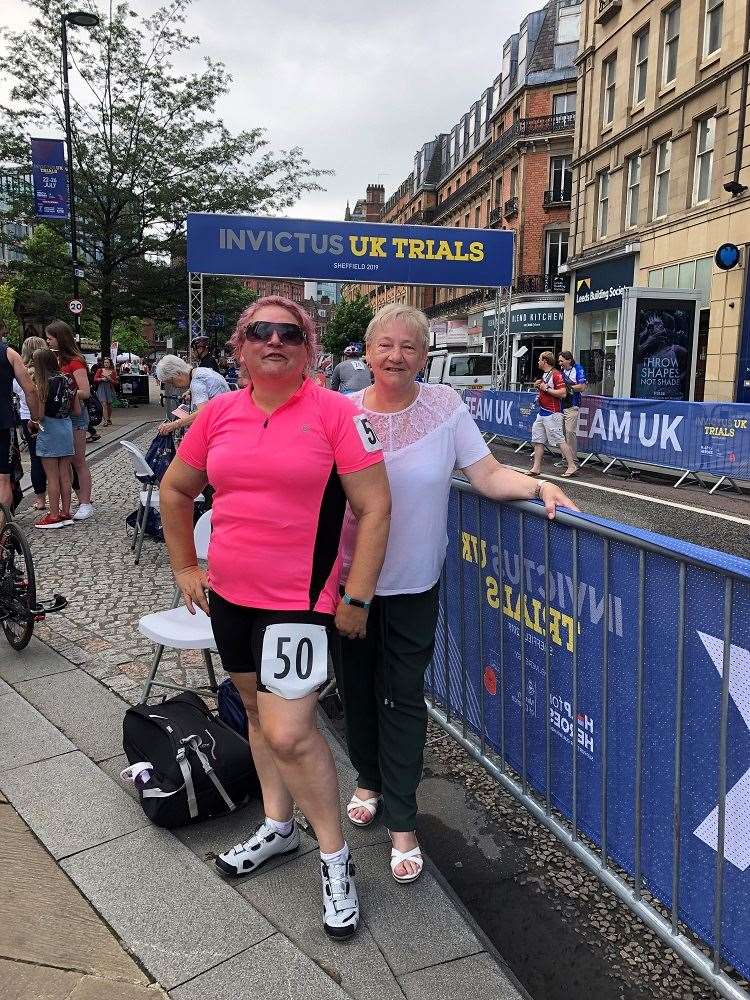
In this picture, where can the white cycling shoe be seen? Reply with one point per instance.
(340, 901)
(265, 843)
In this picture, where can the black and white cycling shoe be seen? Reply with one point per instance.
(340, 902)
(265, 843)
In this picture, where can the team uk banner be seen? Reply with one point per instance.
(500, 598)
(702, 437)
(50, 179)
(348, 251)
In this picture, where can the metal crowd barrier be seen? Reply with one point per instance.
(618, 719)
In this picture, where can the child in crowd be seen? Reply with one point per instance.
(54, 435)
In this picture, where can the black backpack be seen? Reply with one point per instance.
(200, 767)
(95, 408)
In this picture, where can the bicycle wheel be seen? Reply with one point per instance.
(17, 586)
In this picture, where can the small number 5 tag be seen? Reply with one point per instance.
(294, 659)
(366, 432)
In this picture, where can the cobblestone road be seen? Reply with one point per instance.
(91, 564)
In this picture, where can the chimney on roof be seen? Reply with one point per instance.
(375, 202)
(348, 213)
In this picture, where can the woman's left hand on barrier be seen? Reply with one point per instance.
(166, 427)
(553, 497)
(193, 584)
(351, 622)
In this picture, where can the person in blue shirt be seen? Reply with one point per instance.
(575, 380)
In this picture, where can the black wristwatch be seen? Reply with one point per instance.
(355, 601)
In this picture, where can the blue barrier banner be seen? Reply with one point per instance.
(348, 251)
(702, 437)
(532, 680)
(50, 179)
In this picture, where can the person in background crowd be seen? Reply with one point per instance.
(125, 368)
(55, 445)
(548, 427)
(575, 382)
(106, 381)
(203, 383)
(202, 352)
(427, 432)
(60, 339)
(351, 374)
(12, 366)
(283, 455)
(38, 477)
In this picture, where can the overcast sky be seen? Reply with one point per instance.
(358, 84)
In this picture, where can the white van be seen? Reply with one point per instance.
(462, 371)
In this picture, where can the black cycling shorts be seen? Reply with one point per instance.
(6, 451)
(239, 632)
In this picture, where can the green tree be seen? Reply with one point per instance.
(8, 318)
(348, 324)
(44, 268)
(128, 333)
(148, 143)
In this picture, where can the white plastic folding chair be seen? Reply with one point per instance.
(178, 629)
(147, 498)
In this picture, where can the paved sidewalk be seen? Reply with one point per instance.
(197, 936)
(61, 706)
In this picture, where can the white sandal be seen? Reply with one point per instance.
(369, 805)
(414, 855)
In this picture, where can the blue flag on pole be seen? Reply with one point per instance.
(50, 179)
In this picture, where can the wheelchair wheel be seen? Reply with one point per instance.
(17, 586)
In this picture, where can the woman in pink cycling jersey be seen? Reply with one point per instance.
(284, 456)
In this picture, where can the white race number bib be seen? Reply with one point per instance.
(366, 432)
(294, 659)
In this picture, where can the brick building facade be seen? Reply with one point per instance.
(505, 163)
(289, 288)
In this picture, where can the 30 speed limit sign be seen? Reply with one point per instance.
(75, 306)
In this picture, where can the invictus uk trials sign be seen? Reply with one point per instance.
(349, 251)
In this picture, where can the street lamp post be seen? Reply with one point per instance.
(84, 20)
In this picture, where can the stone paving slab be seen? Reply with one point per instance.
(25, 735)
(173, 914)
(206, 840)
(415, 925)
(290, 897)
(24, 982)
(82, 708)
(5, 688)
(477, 977)
(45, 918)
(37, 660)
(273, 968)
(70, 804)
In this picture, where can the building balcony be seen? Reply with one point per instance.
(460, 304)
(496, 215)
(541, 284)
(449, 204)
(423, 218)
(529, 128)
(557, 198)
(510, 207)
(606, 9)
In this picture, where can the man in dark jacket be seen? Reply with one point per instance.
(205, 358)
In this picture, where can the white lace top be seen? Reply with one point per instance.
(423, 445)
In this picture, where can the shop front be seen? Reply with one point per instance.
(534, 328)
(597, 307)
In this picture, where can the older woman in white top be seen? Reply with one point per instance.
(427, 433)
(203, 383)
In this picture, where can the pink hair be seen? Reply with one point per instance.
(248, 316)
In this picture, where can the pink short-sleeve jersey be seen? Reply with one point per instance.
(279, 503)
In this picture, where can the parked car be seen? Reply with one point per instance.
(462, 371)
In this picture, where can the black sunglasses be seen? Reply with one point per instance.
(289, 333)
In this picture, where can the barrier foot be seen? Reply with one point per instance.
(722, 480)
(684, 476)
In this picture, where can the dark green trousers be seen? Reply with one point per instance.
(381, 683)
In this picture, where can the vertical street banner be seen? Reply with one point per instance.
(50, 179)
(552, 661)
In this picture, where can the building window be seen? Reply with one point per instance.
(487, 216)
(704, 158)
(640, 66)
(466, 220)
(516, 115)
(633, 191)
(564, 104)
(560, 178)
(477, 216)
(514, 182)
(671, 21)
(499, 190)
(712, 29)
(609, 71)
(602, 205)
(556, 251)
(661, 178)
